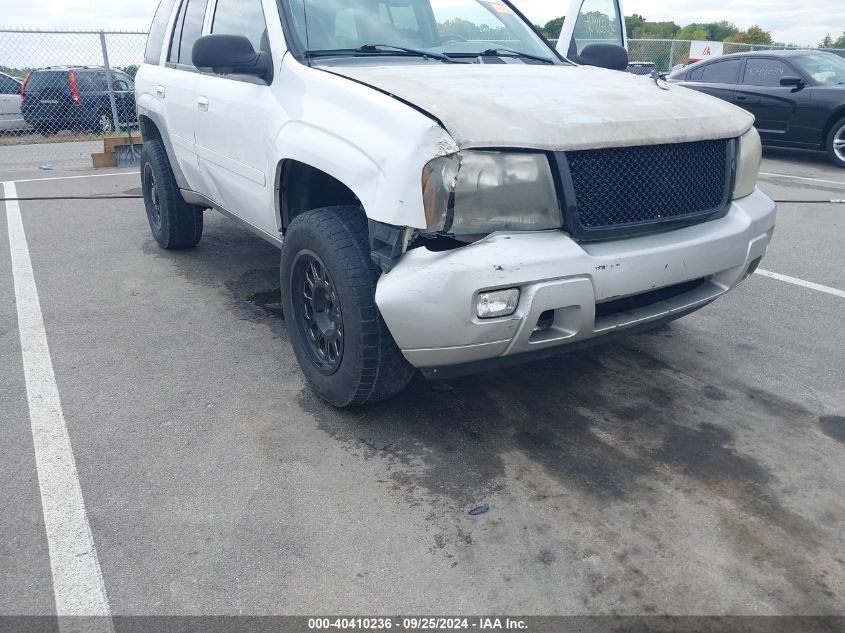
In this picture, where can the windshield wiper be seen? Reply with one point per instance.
(380, 49)
(509, 52)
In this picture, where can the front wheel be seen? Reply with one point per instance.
(173, 222)
(328, 292)
(836, 143)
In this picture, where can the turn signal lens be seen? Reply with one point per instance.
(748, 165)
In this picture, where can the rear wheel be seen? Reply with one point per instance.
(105, 124)
(836, 143)
(328, 292)
(174, 222)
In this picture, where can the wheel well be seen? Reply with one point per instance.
(837, 116)
(148, 129)
(302, 187)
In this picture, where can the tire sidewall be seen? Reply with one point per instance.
(339, 388)
(159, 233)
(837, 127)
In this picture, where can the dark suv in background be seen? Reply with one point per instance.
(77, 98)
(797, 97)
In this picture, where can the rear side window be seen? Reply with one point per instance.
(91, 82)
(158, 32)
(242, 17)
(766, 72)
(187, 31)
(726, 72)
(48, 80)
(9, 86)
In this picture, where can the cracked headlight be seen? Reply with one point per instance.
(748, 164)
(477, 193)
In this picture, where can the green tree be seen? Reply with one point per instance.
(553, 28)
(827, 42)
(658, 31)
(754, 35)
(720, 31)
(633, 24)
(694, 32)
(840, 41)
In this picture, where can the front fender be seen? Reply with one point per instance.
(373, 143)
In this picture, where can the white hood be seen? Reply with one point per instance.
(554, 108)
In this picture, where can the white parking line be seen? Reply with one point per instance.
(805, 284)
(117, 173)
(827, 182)
(77, 579)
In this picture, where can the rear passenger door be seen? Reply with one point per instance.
(237, 122)
(178, 86)
(774, 106)
(718, 78)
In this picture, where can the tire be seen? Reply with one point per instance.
(836, 143)
(363, 364)
(105, 124)
(174, 223)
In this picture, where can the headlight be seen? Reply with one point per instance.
(748, 164)
(477, 193)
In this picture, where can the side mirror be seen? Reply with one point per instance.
(230, 55)
(792, 82)
(608, 56)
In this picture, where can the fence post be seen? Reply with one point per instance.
(110, 82)
(671, 57)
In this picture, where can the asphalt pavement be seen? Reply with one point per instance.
(694, 470)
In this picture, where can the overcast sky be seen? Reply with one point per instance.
(791, 21)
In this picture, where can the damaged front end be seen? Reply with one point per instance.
(469, 195)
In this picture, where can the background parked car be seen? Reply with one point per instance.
(11, 119)
(798, 97)
(77, 98)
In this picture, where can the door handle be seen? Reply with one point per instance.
(741, 98)
(202, 103)
(160, 92)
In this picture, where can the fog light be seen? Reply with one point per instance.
(498, 303)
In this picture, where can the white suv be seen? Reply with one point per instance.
(449, 193)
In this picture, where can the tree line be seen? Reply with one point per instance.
(640, 28)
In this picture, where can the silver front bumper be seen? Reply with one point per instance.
(429, 299)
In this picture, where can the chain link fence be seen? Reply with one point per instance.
(62, 92)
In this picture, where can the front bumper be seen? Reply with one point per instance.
(429, 299)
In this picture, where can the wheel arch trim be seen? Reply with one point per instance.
(150, 114)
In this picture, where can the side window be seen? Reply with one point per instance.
(9, 86)
(598, 23)
(241, 17)
(158, 31)
(176, 37)
(187, 31)
(765, 72)
(695, 74)
(724, 72)
(124, 79)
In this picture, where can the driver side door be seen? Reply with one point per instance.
(592, 22)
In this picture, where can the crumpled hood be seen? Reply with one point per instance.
(555, 108)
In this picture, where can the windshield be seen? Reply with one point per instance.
(826, 68)
(453, 27)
